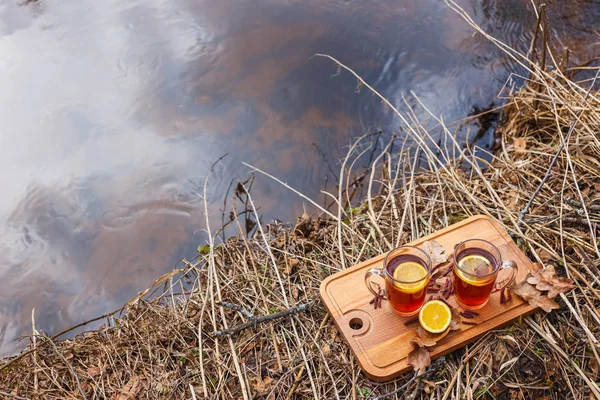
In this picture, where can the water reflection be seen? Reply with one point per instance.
(113, 112)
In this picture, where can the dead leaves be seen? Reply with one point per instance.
(93, 372)
(546, 279)
(542, 280)
(262, 385)
(419, 358)
(534, 297)
(426, 339)
(455, 322)
(520, 145)
(290, 265)
(130, 390)
(435, 252)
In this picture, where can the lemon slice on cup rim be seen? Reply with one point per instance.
(435, 316)
(410, 277)
(468, 270)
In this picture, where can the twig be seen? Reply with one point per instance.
(13, 396)
(525, 209)
(259, 320)
(235, 307)
(578, 204)
(89, 321)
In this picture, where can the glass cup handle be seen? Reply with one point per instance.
(372, 271)
(509, 264)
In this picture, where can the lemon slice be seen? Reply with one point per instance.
(435, 316)
(410, 272)
(475, 265)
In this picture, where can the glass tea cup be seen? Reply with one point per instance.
(406, 272)
(477, 264)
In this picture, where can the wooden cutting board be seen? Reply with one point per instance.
(380, 340)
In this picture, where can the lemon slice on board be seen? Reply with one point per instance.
(410, 272)
(435, 316)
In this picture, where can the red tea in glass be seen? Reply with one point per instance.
(476, 266)
(406, 273)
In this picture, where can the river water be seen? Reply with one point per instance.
(113, 111)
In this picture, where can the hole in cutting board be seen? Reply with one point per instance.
(356, 323)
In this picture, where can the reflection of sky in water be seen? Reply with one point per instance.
(113, 112)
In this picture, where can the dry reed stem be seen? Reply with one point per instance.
(212, 267)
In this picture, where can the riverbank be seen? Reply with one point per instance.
(160, 345)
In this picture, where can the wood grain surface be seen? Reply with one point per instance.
(382, 343)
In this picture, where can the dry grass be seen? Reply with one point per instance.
(161, 346)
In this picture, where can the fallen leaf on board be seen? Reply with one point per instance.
(435, 252)
(440, 274)
(455, 322)
(426, 339)
(420, 359)
(520, 145)
(525, 290)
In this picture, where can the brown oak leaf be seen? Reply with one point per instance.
(420, 359)
(545, 303)
(435, 252)
(545, 279)
(533, 296)
(427, 339)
